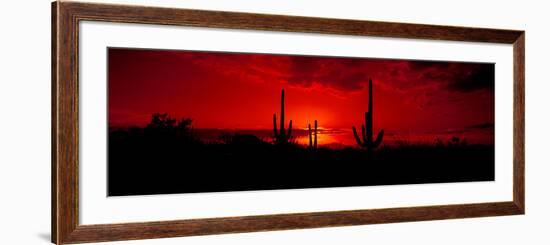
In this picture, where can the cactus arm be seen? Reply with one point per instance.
(275, 125)
(369, 115)
(309, 132)
(289, 129)
(368, 122)
(315, 132)
(371, 99)
(378, 139)
(367, 131)
(282, 116)
(356, 136)
(363, 133)
(280, 134)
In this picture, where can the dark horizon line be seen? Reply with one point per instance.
(450, 131)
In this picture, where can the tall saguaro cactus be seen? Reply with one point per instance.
(282, 136)
(312, 143)
(366, 129)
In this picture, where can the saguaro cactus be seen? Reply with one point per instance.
(366, 129)
(282, 136)
(312, 144)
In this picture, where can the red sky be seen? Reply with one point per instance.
(242, 91)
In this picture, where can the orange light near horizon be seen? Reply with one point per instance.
(324, 119)
(242, 91)
(327, 137)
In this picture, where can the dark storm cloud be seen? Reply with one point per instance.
(488, 125)
(348, 74)
(461, 77)
(481, 77)
(426, 65)
(352, 74)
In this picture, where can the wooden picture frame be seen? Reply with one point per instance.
(65, 121)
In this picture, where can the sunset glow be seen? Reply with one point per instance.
(413, 100)
(308, 121)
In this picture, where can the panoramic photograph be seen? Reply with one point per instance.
(201, 121)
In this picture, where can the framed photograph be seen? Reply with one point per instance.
(175, 122)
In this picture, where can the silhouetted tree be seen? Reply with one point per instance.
(455, 141)
(161, 121)
(164, 126)
(184, 130)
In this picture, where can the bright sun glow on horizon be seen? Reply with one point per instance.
(238, 91)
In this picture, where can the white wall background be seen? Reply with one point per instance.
(25, 121)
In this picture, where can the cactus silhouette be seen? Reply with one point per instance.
(312, 144)
(282, 136)
(366, 129)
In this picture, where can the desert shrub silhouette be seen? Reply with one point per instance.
(164, 127)
(170, 156)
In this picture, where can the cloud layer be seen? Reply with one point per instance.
(348, 74)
